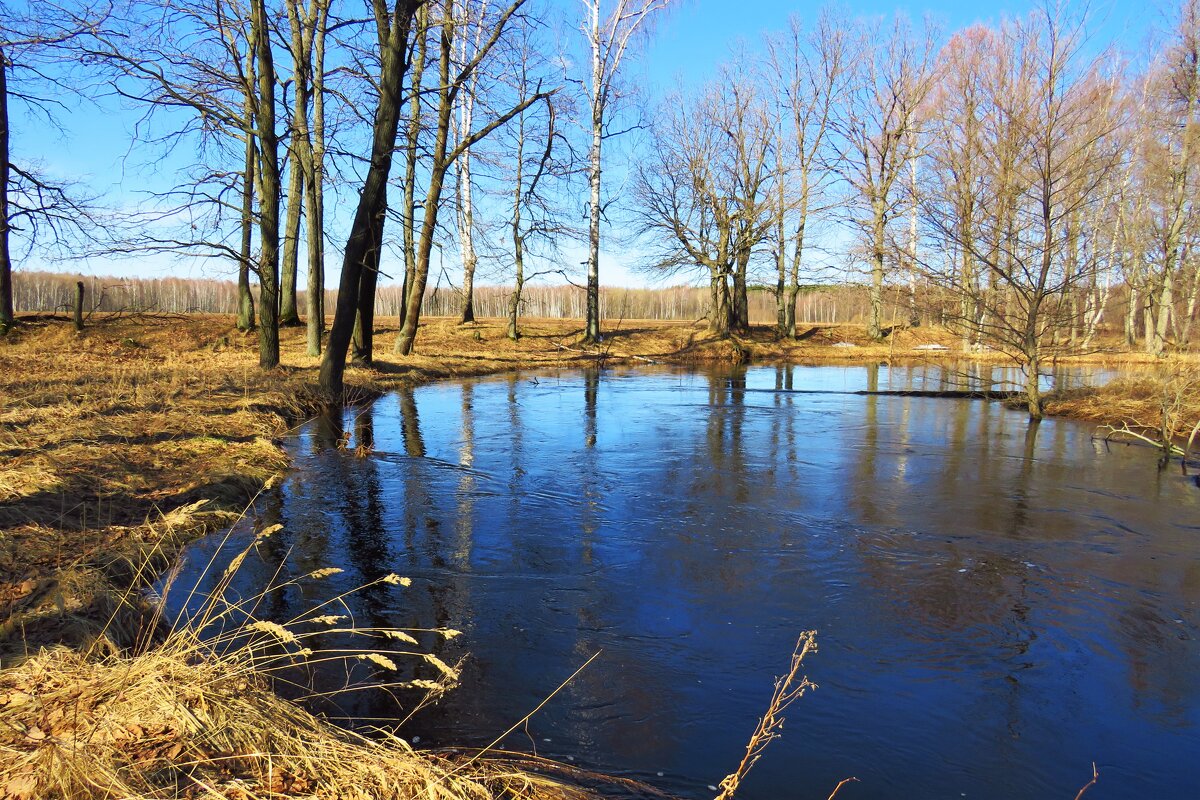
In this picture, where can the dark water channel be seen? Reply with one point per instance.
(998, 605)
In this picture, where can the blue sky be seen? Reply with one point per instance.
(688, 45)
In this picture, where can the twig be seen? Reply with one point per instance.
(841, 783)
(526, 718)
(786, 691)
(1091, 783)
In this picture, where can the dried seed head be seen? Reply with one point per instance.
(376, 658)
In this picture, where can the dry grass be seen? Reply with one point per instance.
(1159, 407)
(194, 715)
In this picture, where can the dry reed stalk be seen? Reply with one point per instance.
(838, 788)
(788, 689)
(1091, 783)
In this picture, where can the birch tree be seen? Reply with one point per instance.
(452, 78)
(609, 29)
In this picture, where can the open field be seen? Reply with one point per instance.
(125, 442)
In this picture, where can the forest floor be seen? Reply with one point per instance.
(121, 444)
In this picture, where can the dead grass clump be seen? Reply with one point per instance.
(171, 724)
(1161, 409)
(194, 714)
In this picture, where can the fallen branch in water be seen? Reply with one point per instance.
(1134, 431)
(1091, 783)
(787, 690)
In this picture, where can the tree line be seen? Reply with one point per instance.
(1009, 180)
(49, 292)
(272, 109)
(1011, 175)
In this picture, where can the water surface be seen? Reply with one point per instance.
(998, 605)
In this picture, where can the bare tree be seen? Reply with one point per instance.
(703, 193)
(1050, 124)
(309, 26)
(876, 132)
(463, 188)
(451, 80)
(808, 75)
(534, 220)
(263, 101)
(392, 27)
(608, 37)
(212, 59)
(41, 211)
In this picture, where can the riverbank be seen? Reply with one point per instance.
(125, 442)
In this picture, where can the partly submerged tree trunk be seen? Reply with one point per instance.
(1033, 388)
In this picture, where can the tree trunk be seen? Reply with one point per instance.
(366, 232)
(718, 322)
(268, 170)
(1033, 388)
(740, 302)
(591, 328)
(514, 300)
(362, 347)
(7, 312)
(78, 306)
(1148, 308)
(468, 308)
(412, 136)
(466, 216)
(315, 194)
(914, 314)
(1166, 306)
(1131, 317)
(875, 325)
(288, 315)
(433, 197)
(315, 290)
(245, 316)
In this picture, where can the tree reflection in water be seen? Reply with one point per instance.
(998, 603)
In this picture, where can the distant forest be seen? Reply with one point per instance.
(46, 292)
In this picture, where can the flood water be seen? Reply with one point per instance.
(998, 605)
